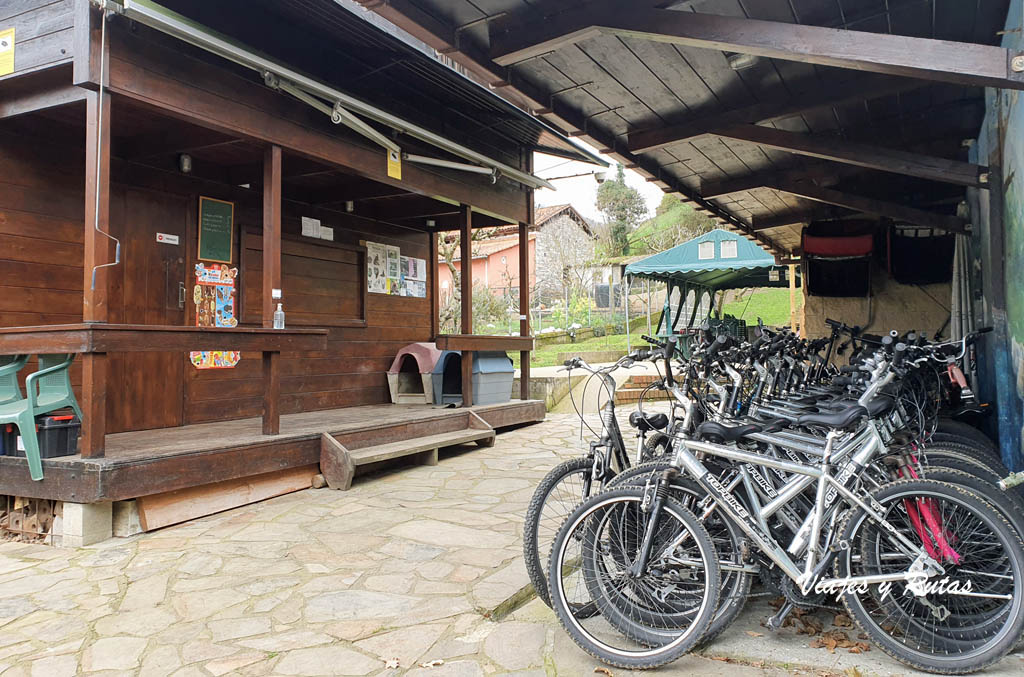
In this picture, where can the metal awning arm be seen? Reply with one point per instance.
(151, 14)
(339, 114)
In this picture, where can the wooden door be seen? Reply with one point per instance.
(146, 390)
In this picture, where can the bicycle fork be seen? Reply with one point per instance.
(653, 504)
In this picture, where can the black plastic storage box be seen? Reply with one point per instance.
(8, 433)
(58, 436)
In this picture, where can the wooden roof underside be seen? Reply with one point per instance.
(738, 155)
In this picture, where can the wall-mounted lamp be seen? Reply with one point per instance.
(185, 163)
(431, 223)
(738, 62)
(350, 206)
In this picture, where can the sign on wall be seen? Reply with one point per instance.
(386, 269)
(216, 229)
(7, 51)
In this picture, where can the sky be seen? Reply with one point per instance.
(581, 192)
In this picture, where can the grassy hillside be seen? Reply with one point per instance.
(770, 304)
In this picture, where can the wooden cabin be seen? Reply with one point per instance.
(174, 171)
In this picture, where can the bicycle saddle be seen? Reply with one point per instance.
(840, 420)
(648, 422)
(712, 429)
(881, 405)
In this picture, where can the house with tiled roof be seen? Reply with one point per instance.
(495, 259)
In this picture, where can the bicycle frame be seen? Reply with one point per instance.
(752, 521)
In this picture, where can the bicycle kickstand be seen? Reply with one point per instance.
(775, 622)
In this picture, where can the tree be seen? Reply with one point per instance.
(623, 208)
(673, 223)
(450, 312)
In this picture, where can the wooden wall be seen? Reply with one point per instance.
(353, 369)
(41, 279)
(43, 33)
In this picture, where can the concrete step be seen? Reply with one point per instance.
(633, 395)
(643, 379)
(384, 452)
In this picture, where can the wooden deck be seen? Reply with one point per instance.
(155, 461)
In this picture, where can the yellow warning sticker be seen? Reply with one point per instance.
(7, 51)
(394, 164)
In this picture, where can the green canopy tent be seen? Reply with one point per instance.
(706, 264)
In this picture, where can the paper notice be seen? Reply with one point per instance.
(310, 227)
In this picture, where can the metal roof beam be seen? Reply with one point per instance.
(922, 58)
(859, 89)
(862, 155)
(874, 207)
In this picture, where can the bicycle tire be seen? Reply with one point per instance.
(588, 516)
(979, 657)
(735, 590)
(535, 554)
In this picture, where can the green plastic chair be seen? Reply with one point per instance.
(10, 365)
(47, 389)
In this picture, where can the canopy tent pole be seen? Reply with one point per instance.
(666, 313)
(629, 282)
(648, 283)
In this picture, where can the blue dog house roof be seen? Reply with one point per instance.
(485, 362)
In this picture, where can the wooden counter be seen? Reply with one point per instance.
(95, 340)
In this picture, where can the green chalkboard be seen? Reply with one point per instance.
(216, 229)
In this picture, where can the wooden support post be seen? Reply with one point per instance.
(97, 206)
(97, 249)
(466, 268)
(435, 291)
(94, 404)
(271, 231)
(271, 392)
(271, 281)
(792, 297)
(524, 307)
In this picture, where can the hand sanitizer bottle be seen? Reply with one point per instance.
(279, 317)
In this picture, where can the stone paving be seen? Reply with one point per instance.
(396, 576)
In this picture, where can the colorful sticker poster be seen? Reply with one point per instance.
(214, 295)
(414, 269)
(215, 359)
(376, 268)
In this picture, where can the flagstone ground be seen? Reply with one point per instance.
(401, 570)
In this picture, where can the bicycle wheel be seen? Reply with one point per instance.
(984, 457)
(597, 547)
(557, 495)
(657, 445)
(950, 629)
(727, 537)
(961, 429)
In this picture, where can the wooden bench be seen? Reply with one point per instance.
(339, 458)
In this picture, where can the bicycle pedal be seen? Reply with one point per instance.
(775, 622)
